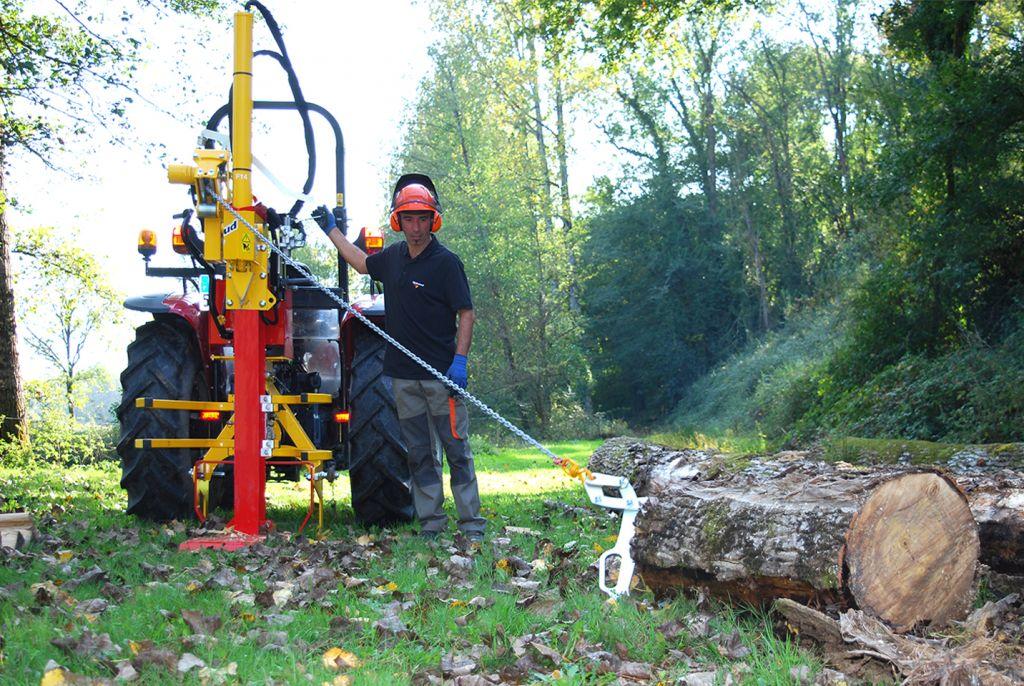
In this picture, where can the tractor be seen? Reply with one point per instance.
(251, 372)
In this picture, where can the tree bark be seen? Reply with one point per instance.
(12, 401)
(900, 543)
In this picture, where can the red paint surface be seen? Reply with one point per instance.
(250, 423)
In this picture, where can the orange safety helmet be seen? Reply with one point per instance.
(415, 192)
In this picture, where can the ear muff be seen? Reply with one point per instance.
(415, 197)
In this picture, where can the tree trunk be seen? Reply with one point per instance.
(899, 543)
(12, 401)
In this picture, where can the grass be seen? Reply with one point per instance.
(80, 517)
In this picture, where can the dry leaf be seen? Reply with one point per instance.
(188, 662)
(200, 623)
(336, 658)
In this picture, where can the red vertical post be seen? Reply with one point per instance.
(250, 423)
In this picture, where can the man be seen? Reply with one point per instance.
(429, 311)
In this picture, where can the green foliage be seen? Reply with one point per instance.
(492, 161)
(69, 306)
(659, 301)
(767, 387)
(56, 443)
(846, 204)
(56, 62)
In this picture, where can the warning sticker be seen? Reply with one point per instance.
(247, 241)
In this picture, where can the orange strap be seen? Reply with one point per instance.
(451, 416)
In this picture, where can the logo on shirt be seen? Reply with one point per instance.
(417, 284)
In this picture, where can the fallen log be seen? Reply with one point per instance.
(899, 543)
(995, 493)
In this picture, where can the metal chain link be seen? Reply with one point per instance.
(379, 331)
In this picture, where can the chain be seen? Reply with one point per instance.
(570, 467)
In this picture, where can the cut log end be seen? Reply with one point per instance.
(911, 552)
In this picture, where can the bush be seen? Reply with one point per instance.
(570, 421)
(55, 440)
(767, 386)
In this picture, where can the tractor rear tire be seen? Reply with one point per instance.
(163, 362)
(378, 469)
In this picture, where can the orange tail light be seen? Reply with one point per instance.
(178, 241)
(373, 239)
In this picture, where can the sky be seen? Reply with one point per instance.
(361, 61)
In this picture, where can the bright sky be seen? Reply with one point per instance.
(361, 61)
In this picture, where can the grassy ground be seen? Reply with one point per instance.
(99, 590)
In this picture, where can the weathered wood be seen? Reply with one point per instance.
(898, 542)
(985, 651)
(15, 529)
(911, 552)
(996, 494)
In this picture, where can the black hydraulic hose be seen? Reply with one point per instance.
(339, 141)
(293, 83)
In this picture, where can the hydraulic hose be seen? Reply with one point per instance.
(293, 82)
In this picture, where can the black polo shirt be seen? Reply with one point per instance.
(421, 299)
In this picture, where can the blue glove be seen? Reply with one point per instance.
(457, 372)
(324, 218)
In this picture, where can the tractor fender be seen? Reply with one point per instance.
(176, 305)
(170, 303)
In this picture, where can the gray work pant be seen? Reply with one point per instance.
(425, 415)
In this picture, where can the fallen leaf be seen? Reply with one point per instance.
(732, 646)
(700, 679)
(54, 676)
(603, 662)
(200, 623)
(456, 665)
(159, 571)
(390, 624)
(336, 658)
(459, 566)
(545, 652)
(91, 575)
(524, 584)
(93, 606)
(635, 671)
(672, 630)
(385, 589)
(87, 645)
(188, 662)
(126, 672)
(147, 654)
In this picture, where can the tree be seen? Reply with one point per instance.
(55, 66)
(70, 302)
